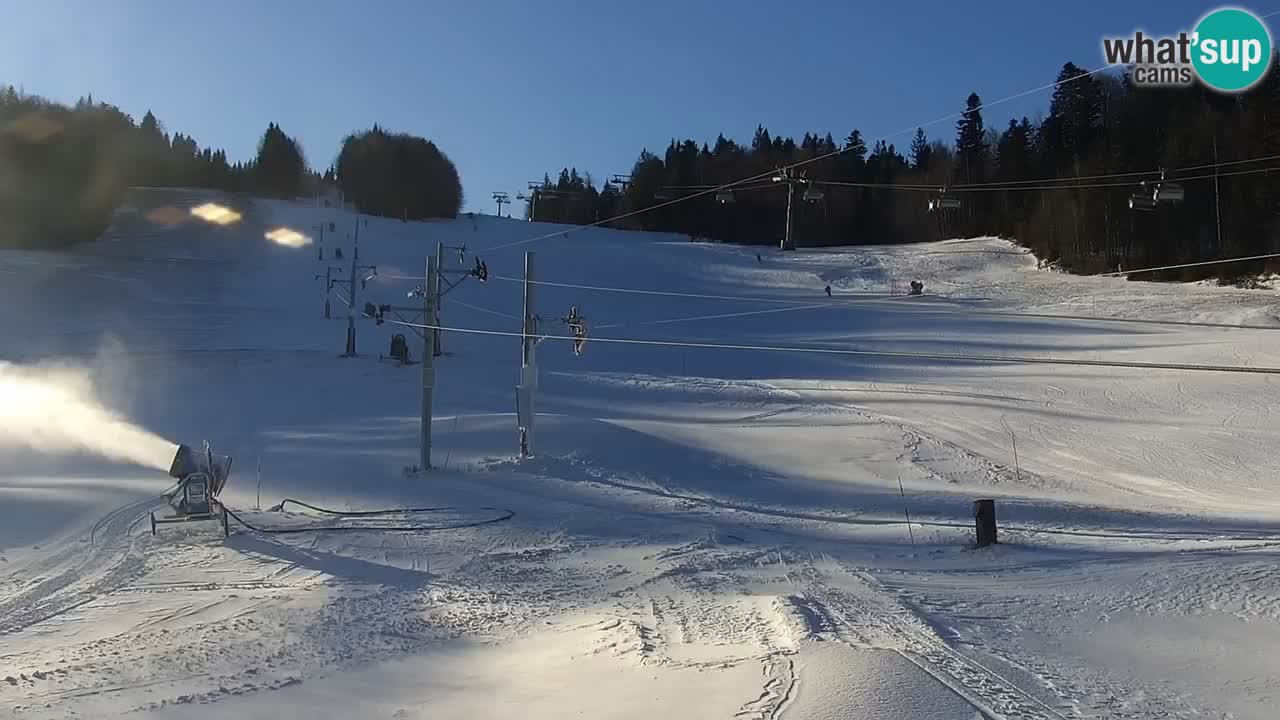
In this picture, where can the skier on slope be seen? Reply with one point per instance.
(828, 290)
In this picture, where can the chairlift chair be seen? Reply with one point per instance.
(578, 325)
(944, 202)
(813, 194)
(724, 196)
(1169, 192)
(1141, 201)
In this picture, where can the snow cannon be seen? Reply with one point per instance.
(201, 475)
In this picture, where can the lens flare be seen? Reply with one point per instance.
(288, 238)
(35, 127)
(168, 216)
(216, 214)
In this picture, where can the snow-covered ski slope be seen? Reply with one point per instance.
(703, 532)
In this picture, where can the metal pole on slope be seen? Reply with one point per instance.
(1217, 200)
(434, 287)
(428, 365)
(351, 309)
(787, 242)
(328, 287)
(784, 175)
(906, 511)
(528, 365)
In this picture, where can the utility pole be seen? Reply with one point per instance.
(429, 316)
(351, 285)
(787, 242)
(528, 363)
(328, 287)
(353, 288)
(428, 364)
(502, 199)
(1217, 201)
(433, 285)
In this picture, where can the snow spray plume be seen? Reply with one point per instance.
(54, 409)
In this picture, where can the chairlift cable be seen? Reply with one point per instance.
(875, 298)
(801, 163)
(996, 359)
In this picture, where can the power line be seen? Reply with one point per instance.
(1104, 176)
(477, 308)
(1079, 318)
(801, 163)
(1187, 265)
(1256, 171)
(838, 151)
(996, 187)
(743, 188)
(903, 305)
(662, 293)
(1007, 360)
(720, 316)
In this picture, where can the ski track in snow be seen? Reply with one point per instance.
(728, 527)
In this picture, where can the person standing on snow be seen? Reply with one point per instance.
(828, 291)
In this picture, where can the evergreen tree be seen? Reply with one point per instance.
(971, 144)
(920, 150)
(279, 167)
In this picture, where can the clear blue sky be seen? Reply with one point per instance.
(511, 89)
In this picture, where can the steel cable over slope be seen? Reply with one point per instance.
(902, 303)
(801, 163)
(1004, 360)
(504, 514)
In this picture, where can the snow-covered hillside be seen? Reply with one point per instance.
(703, 532)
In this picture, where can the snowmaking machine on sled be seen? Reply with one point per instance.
(201, 475)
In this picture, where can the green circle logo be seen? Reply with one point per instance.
(1231, 50)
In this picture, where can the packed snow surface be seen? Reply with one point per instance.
(701, 532)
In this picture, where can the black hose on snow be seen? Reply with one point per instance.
(503, 515)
